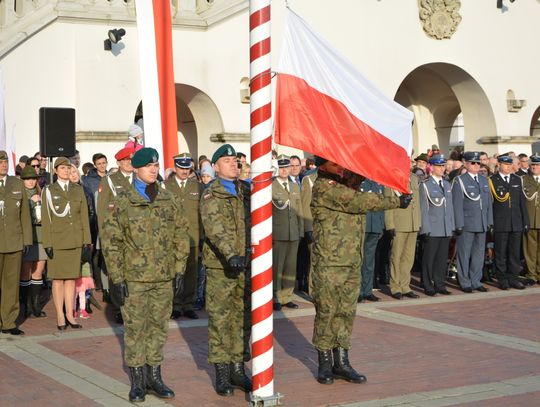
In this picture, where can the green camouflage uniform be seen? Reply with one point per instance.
(226, 221)
(145, 244)
(335, 279)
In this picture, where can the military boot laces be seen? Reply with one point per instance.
(324, 375)
(239, 378)
(342, 369)
(137, 391)
(155, 384)
(223, 380)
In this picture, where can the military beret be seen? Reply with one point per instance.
(226, 150)
(61, 161)
(3, 155)
(29, 173)
(283, 161)
(505, 159)
(319, 161)
(183, 160)
(124, 153)
(437, 159)
(471, 156)
(534, 159)
(144, 156)
(422, 157)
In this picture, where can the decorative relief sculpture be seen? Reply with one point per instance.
(440, 18)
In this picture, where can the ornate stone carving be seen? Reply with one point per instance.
(439, 18)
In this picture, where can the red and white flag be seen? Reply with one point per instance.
(157, 78)
(325, 106)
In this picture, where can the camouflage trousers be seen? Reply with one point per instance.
(335, 293)
(229, 316)
(146, 314)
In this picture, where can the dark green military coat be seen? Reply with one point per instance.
(287, 213)
(307, 190)
(16, 223)
(408, 219)
(110, 186)
(144, 241)
(531, 189)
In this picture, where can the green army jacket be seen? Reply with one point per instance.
(337, 220)
(145, 241)
(226, 222)
(531, 190)
(307, 190)
(408, 219)
(16, 223)
(188, 198)
(106, 195)
(71, 230)
(287, 215)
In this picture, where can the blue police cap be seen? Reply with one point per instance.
(183, 160)
(471, 156)
(437, 159)
(506, 159)
(533, 159)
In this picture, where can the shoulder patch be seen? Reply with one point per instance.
(208, 195)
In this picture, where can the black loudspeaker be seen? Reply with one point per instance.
(57, 131)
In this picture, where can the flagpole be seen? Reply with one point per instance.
(261, 206)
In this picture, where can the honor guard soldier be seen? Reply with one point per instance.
(287, 227)
(531, 241)
(337, 223)
(437, 227)
(110, 186)
(225, 213)
(188, 193)
(15, 237)
(145, 247)
(403, 225)
(473, 214)
(510, 221)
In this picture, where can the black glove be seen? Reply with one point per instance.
(309, 237)
(26, 249)
(86, 256)
(49, 252)
(122, 290)
(404, 200)
(525, 229)
(237, 264)
(424, 236)
(178, 284)
(490, 229)
(458, 231)
(391, 232)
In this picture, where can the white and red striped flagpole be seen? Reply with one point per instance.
(261, 203)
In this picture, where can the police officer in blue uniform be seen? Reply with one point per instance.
(510, 221)
(437, 227)
(473, 213)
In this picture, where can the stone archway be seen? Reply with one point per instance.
(448, 104)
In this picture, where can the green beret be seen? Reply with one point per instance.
(61, 161)
(3, 155)
(319, 161)
(144, 156)
(29, 173)
(226, 150)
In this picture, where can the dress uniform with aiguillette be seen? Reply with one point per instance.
(145, 247)
(287, 228)
(15, 236)
(437, 228)
(473, 213)
(510, 221)
(531, 241)
(188, 193)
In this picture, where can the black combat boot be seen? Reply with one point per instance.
(239, 378)
(223, 380)
(155, 384)
(35, 291)
(138, 390)
(324, 375)
(342, 369)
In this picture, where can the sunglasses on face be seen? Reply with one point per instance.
(474, 163)
(35, 165)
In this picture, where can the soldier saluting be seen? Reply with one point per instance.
(145, 247)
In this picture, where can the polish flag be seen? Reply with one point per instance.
(157, 78)
(325, 106)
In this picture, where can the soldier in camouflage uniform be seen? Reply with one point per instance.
(225, 214)
(335, 279)
(145, 246)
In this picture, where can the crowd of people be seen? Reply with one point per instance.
(165, 247)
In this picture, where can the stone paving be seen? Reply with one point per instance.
(458, 350)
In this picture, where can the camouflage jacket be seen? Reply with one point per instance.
(226, 222)
(145, 241)
(337, 220)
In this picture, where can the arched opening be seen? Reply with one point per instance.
(451, 109)
(535, 129)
